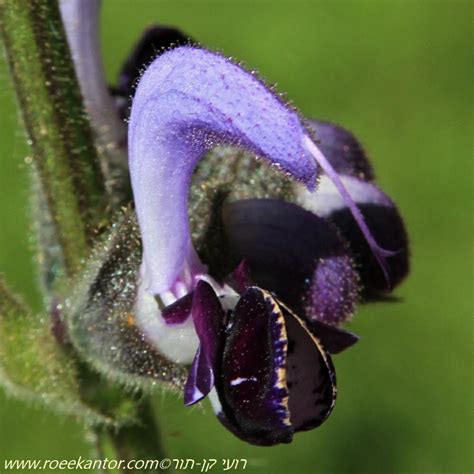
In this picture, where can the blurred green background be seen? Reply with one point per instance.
(398, 74)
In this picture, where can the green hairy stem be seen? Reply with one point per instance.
(57, 127)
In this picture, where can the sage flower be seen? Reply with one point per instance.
(256, 335)
(265, 368)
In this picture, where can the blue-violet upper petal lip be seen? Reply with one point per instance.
(188, 101)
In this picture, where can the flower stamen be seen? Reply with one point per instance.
(379, 253)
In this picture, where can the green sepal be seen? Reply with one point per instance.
(100, 320)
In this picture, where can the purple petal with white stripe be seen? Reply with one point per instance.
(252, 387)
(208, 317)
(277, 378)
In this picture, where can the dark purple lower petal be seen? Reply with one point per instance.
(276, 378)
(207, 316)
(311, 378)
(342, 150)
(295, 254)
(252, 385)
(333, 339)
(389, 230)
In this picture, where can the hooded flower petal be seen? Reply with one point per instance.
(381, 215)
(188, 101)
(270, 358)
(295, 254)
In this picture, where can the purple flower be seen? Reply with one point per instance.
(259, 342)
(268, 371)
